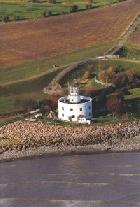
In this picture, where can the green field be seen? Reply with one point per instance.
(126, 64)
(133, 52)
(134, 93)
(132, 47)
(28, 10)
(40, 68)
(28, 80)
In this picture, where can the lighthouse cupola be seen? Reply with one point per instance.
(74, 96)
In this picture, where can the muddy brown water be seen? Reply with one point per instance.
(102, 180)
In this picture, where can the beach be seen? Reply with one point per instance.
(24, 138)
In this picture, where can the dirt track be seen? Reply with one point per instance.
(58, 35)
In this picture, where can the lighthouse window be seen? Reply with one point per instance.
(73, 116)
(80, 109)
(63, 108)
(63, 115)
(89, 107)
(71, 109)
(89, 114)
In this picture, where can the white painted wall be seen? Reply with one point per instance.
(66, 110)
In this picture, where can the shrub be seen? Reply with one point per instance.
(18, 18)
(89, 4)
(47, 13)
(73, 8)
(114, 104)
(87, 74)
(6, 18)
(123, 51)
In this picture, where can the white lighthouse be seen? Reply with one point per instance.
(75, 107)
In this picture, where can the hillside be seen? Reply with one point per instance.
(135, 39)
(29, 49)
(28, 41)
(133, 45)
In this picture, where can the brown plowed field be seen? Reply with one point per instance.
(21, 42)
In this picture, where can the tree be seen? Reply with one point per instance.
(47, 13)
(110, 73)
(102, 74)
(73, 8)
(123, 51)
(121, 80)
(87, 74)
(89, 4)
(119, 69)
(131, 75)
(89, 1)
(114, 104)
(6, 18)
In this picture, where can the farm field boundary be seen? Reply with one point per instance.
(125, 35)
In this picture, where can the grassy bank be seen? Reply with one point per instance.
(133, 52)
(8, 120)
(125, 63)
(36, 68)
(134, 94)
(27, 81)
(132, 46)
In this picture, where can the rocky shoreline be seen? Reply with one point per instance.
(26, 139)
(57, 151)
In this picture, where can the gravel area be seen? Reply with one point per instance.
(25, 139)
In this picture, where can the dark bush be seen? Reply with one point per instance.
(47, 13)
(73, 8)
(18, 18)
(123, 51)
(6, 18)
